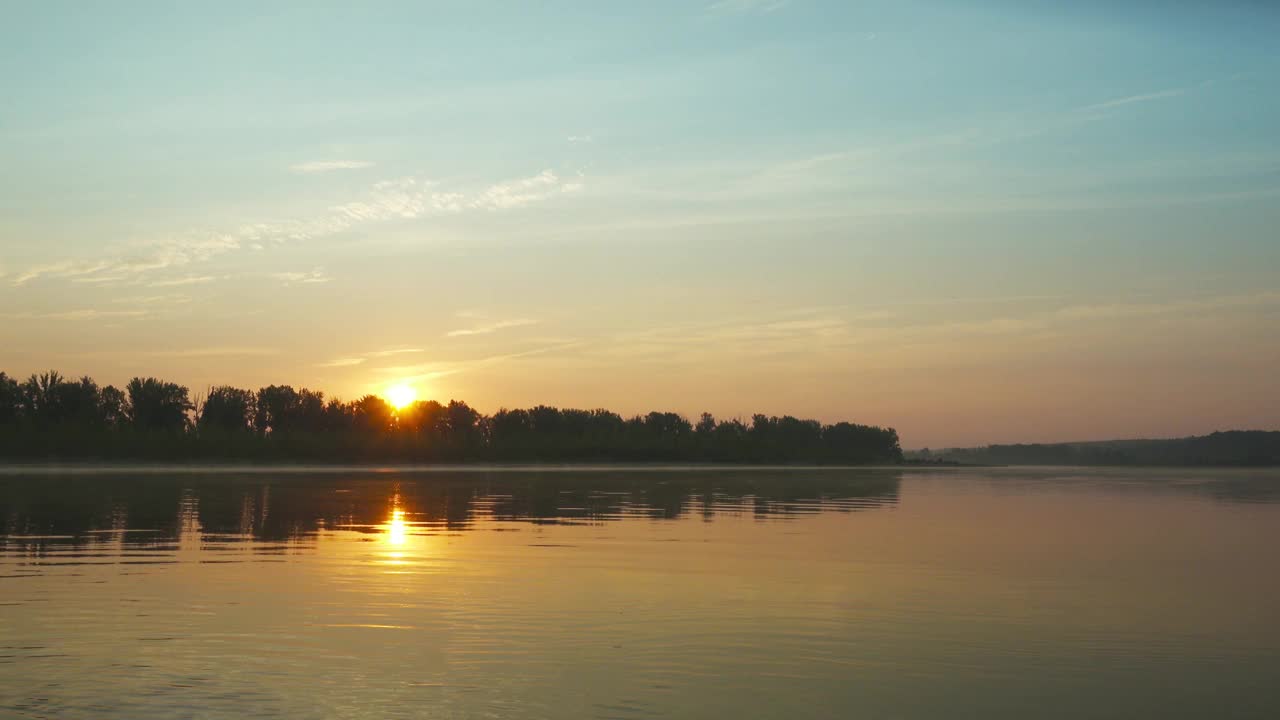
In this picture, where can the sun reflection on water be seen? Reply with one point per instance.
(397, 531)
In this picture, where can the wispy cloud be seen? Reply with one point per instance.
(422, 371)
(519, 193)
(747, 6)
(228, 351)
(364, 357)
(1181, 306)
(152, 300)
(1145, 97)
(491, 327)
(802, 330)
(432, 370)
(83, 314)
(95, 314)
(342, 362)
(65, 268)
(101, 279)
(320, 166)
(179, 282)
(895, 163)
(805, 332)
(157, 256)
(977, 300)
(389, 200)
(412, 198)
(290, 278)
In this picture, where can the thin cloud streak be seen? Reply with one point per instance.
(102, 280)
(178, 282)
(1146, 97)
(66, 268)
(992, 130)
(84, 314)
(290, 278)
(169, 254)
(364, 357)
(1120, 310)
(431, 370)
(802, 332)
(152, 300)
(320, 166)
(730, 7)
(342, 362)
(216, 352)
(491, 327)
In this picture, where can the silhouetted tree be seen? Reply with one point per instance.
(50, 399)
(115, 407)
(425, 418)
(40, 397)
(706, 425)
(10, 400)
(281, 409)
(862, 443)
(371, 414)
(80, 402)
(158, 405)
(309, 412)
(336, 416)
(228, 409)
(275, 406)
(463, 423)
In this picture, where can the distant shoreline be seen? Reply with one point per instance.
(78, 466)
(1231, 448)
(88, 467)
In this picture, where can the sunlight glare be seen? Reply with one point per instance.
(400, 396)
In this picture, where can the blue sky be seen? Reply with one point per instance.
(947, 217)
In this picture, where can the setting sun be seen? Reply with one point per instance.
(400, 396)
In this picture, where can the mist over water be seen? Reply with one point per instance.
(638, 592)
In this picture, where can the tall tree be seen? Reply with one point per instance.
(10, 400)
(227, 409)
(80, 402)
(40, 397)
(277, 407)
(115, 407)
(372, 414)
(158, 405)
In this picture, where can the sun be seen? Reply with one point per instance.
(400, 396)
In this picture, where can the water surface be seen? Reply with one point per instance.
(644, 592)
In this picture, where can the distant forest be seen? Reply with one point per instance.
(1253, 448)
(51, 417)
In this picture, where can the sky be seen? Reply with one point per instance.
(973, 220)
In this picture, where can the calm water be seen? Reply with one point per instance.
(1010, 593)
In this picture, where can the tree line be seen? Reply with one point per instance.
(50, 416)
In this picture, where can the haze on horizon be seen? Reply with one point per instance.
(975, 222)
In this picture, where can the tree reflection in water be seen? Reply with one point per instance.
(226, 507)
